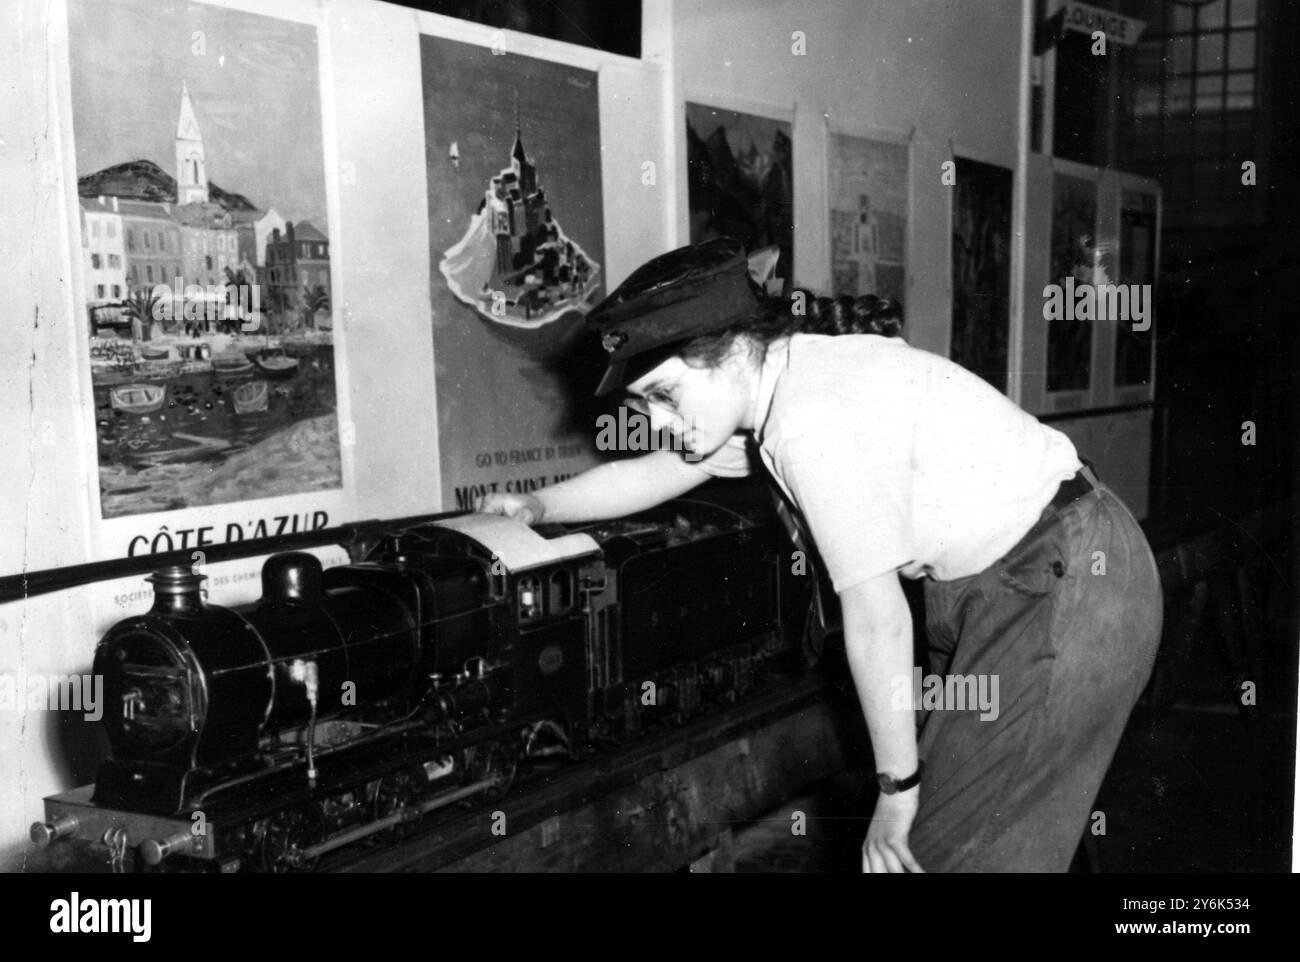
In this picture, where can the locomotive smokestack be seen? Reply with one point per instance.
(177, 590)
(294, 576)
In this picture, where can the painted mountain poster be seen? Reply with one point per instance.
(868, 215)
(206, 254)
(741, 180)
(516, 233)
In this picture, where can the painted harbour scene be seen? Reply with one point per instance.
(218, 419)
(209, 310)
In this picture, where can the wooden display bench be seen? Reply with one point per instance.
(667, 802)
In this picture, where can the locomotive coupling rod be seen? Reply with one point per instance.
(388, 821)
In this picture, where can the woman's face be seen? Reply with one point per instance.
(702, 407)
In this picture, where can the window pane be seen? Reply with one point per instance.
(1211, 15)
(1231, 179)
(1146, 100)
(1244, 13)
(1148, 60)
(1180, 18)
(1241, 91)
(1178, 96)
(1180, 55)
(1207, 177)
(1209, 54)
(1241, 50)
(1148, 10)
(1209, 92)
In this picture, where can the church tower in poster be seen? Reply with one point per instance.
(191, 168)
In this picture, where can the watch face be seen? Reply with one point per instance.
(887, 784)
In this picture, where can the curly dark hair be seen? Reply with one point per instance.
(802, 313)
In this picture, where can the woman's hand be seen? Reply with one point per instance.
(885, 849)
(520, 507)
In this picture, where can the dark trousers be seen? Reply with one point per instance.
(1072, 648)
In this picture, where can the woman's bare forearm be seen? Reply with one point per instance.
(618, 488)
(878, 642)
(881, 664)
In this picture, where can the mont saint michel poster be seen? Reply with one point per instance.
(205, 249)
(512, 151)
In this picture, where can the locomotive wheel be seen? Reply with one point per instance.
(286, 832)
(500, 759)
(396, 790)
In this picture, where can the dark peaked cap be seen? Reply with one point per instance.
(677, 296)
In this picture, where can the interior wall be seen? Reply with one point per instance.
(871, 66)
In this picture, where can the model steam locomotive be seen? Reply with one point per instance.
(349, 702)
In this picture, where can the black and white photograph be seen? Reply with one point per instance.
(566, 437)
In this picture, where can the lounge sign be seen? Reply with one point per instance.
(1085, 18)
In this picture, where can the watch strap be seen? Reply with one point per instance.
(892, 786)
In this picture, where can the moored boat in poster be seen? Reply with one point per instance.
(138, 398)
(231, 365)
(274, 362)
(250, 397)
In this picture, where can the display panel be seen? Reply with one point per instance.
(981, 269)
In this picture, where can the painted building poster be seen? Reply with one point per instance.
(1076, 254)
(741, 180)
(512, 150)
(868, 217)
(981, 269)
(205, 250)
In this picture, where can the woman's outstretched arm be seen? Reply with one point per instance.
(609, 490)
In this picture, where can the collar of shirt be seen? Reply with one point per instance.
(775, 363)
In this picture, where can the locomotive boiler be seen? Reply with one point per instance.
(347, 704)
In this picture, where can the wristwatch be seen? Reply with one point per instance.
(889, 785)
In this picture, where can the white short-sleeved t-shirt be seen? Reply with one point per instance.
(898, 459)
